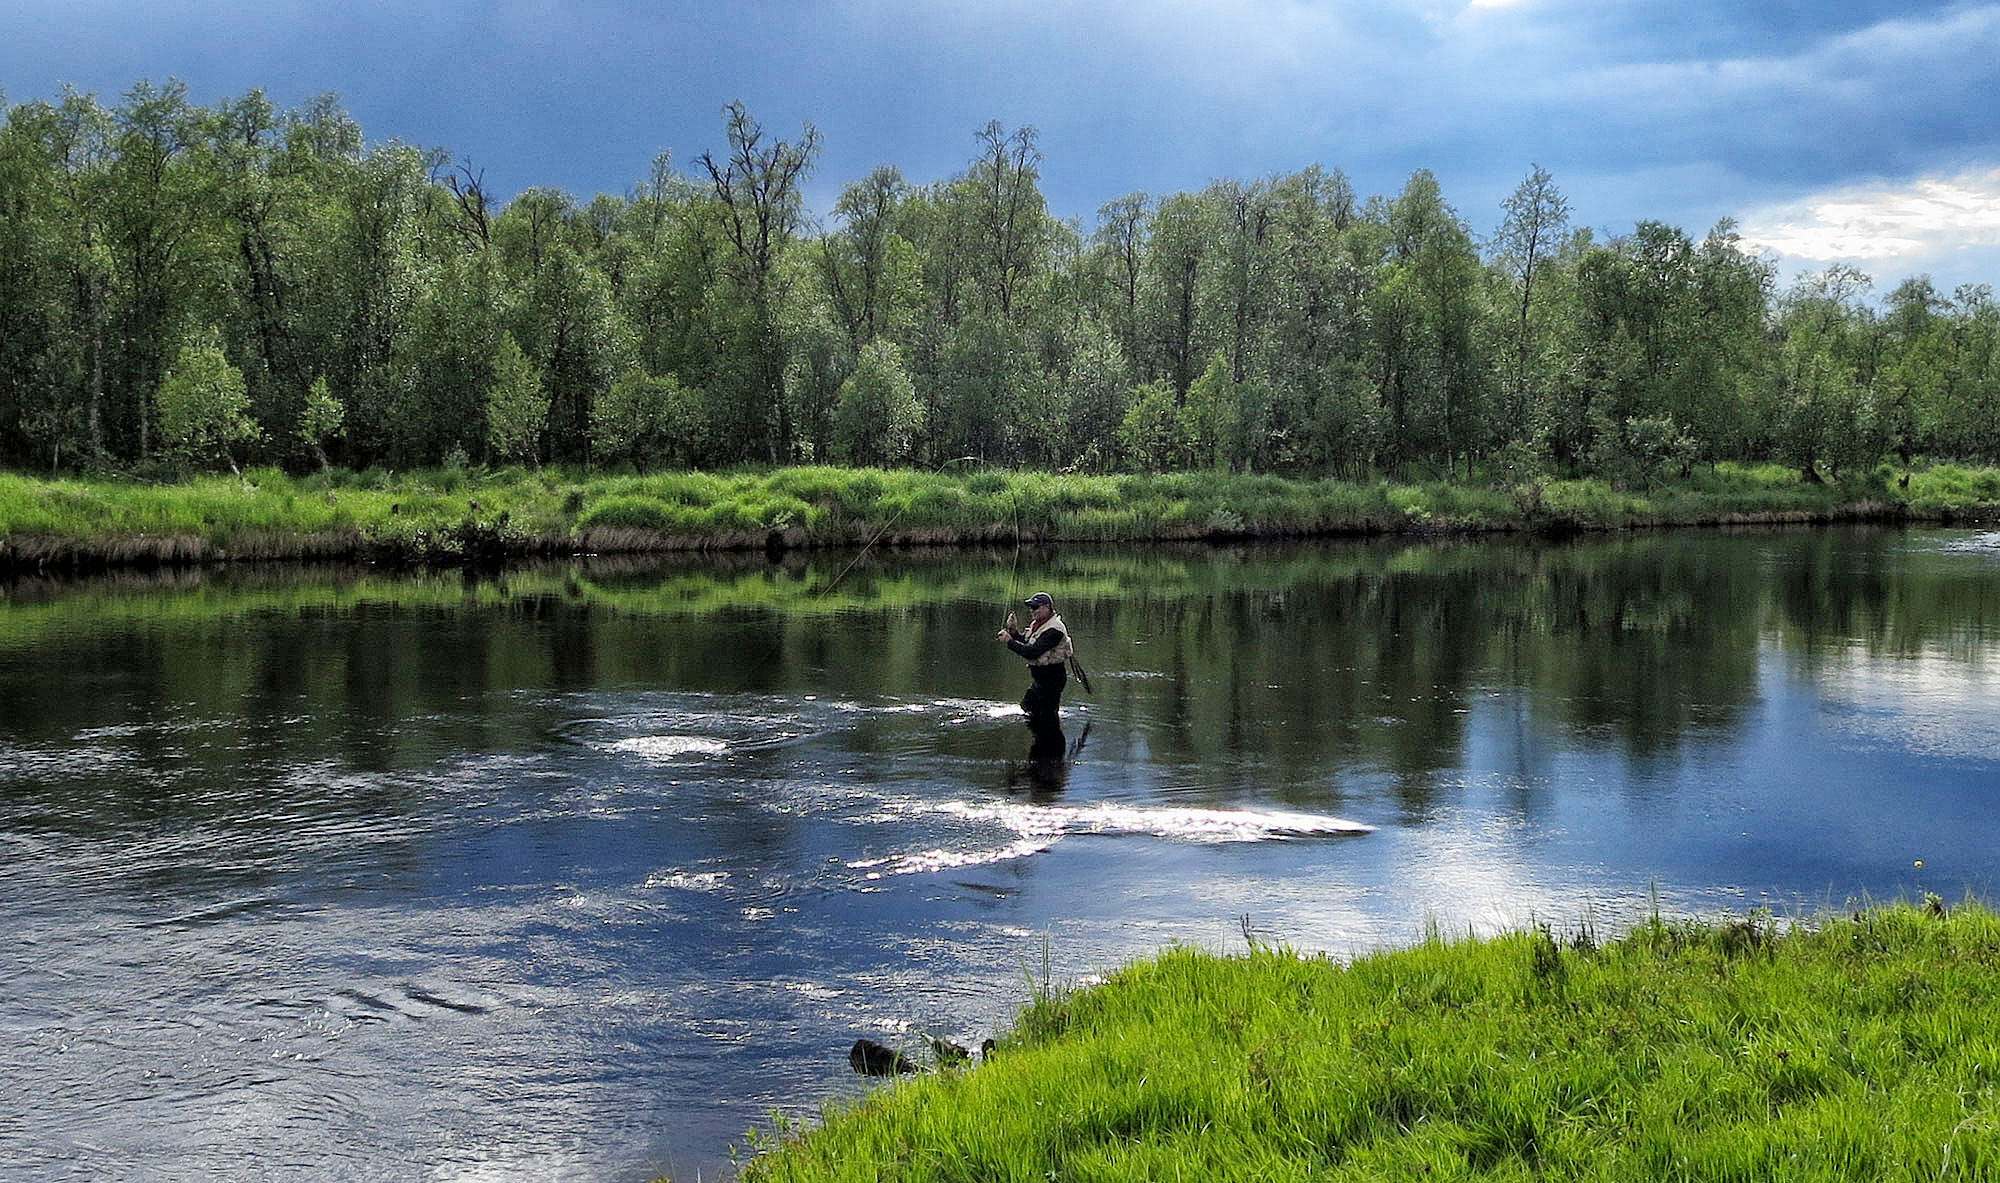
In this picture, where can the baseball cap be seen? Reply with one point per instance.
(1038, 599)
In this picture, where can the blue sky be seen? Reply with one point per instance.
(1859, 132)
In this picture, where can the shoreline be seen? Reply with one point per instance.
(439, 520)
(1841, 1046)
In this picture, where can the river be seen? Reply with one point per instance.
(582, 871)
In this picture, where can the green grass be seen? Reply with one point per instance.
(1950, 488)
(451, 514)
(1861, 1048)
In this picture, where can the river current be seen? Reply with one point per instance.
(583, 871)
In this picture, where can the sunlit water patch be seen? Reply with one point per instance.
(1932, 704)
(1039, 827)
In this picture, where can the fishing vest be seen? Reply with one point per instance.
(1063, 649)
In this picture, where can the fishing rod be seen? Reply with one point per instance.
(884, 529)
(1076, 665)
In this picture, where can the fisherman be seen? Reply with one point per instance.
(1047, 646)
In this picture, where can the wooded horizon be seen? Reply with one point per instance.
(193, 286)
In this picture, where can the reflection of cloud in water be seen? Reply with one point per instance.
(1931, 703)
(1467, 871)
(1474, 869)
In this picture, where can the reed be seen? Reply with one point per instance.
(1858, 1047)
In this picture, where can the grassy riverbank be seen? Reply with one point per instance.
(452, 515)
(1861, 1049)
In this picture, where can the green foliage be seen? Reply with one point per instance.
(1824, 413)
(1951, 488)
(203, 405)
(441, 369)
(568, 323)
(1099, 389)
(1732, 1049)
(878, 418)
(1354, 335)
(647, 420)
(1213, 417)
(1645, 451)
(319, 420)
(979, 385)
(631, 513)
(1153, 434)
(517, 406)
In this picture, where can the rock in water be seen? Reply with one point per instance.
(873, 1059)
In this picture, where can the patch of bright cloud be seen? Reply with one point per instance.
(1893, 225)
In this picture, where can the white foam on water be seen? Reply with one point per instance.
(1172, 822)
(668, 747)
(689, 880)
(959, 712)
(940, 859)
(1039, 827)
(1988, 543)
(114, 731)
(883, 708)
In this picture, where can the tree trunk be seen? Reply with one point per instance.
(93, 305)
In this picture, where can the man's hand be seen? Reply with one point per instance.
(1003, 635)
(1010, 622)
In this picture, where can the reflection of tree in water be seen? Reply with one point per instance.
(1653, 641)
(1378, 658)
(1424, 650)
(1292, 671)
(1831, 589)
(1881, 592)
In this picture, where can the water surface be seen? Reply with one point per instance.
(578, 872)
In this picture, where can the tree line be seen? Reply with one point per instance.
(197, 286)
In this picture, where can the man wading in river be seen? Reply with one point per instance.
(1046, 645)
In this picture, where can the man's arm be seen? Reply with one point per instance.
(1044, 641)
